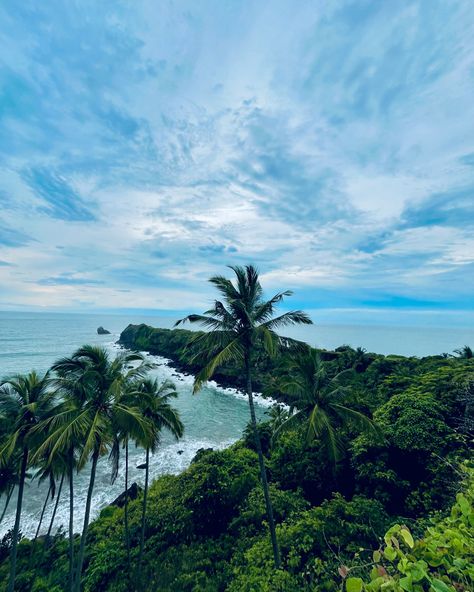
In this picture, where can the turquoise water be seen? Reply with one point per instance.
(214, 418)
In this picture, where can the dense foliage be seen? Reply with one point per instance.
(395, 513)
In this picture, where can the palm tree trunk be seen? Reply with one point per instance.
(58, 495)
(80, 561)
(261, 462)
(127, 535)
(145, 492)
(42, 514)
(9, 495)
(33, 542)
(71, 520)
(16, 528)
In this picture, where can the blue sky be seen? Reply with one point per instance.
(144, 145)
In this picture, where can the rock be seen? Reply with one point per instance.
(180, 451)
(102, 331)
(133, 492)
(142, 466)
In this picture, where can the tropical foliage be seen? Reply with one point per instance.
(367, 461)
(65, 421)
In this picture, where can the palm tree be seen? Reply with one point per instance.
(131, 396)
(51, 471)
(93, 383)
(53, 515)
(61, 447)
(24, 400)
(277, 414)
(8, 480)
(319, 402)
(465, 352)
(155, 406)
(236, 325)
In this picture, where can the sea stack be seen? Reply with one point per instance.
(102, 331)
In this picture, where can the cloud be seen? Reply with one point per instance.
(66, 280)
(146, 148)
(10, 237)
(62, 201)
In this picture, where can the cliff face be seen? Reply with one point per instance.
(173, 344)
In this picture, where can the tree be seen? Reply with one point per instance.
(154, 403)
(8, 480)
(464, 352)
(236, 324)
(132, 396)
(320, 402)
(24, 401)
(93, 384)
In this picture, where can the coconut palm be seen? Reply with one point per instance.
(465, 352)
(8, 480)
(235, 325)
(24, 401)
(93, 383)
(319, 402)
(131, 396)
(154, 402)
(53, 515)
(63, 416)
(51, 471)
(277, 414)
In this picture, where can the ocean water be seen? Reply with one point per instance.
(213, 418)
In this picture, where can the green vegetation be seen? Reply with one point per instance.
(369, 474)
(73, 415)
(239, 323)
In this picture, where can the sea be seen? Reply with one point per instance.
(213, 418)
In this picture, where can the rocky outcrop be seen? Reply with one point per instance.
(102, 331)
(133, 492)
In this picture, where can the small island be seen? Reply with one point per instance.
(102, 331)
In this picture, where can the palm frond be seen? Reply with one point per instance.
(232, 351)
(295, 317)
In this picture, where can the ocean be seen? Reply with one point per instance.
(214, 418)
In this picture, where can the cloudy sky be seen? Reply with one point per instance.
(144, 145)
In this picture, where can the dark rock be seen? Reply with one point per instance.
(180, 451)
(200, 453)
(102, 331)
(133, 492)
(142, 466)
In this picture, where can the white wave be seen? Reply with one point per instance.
(172, 458)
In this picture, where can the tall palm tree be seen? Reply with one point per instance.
(319, 402)
(24, 400)
(51, 471)
(8, 480)
(131, 396)
(60, 438)
(236, 324)
(53, 515)
(154, 401)
(94, 384)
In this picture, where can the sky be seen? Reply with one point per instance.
(145, 145)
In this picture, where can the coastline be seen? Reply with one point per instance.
(180, 372)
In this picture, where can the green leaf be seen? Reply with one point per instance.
(406, 536)
(463, 504)
(390, 553)
(354, 585)
(376, 556)
(440, 586)
(406, 583)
